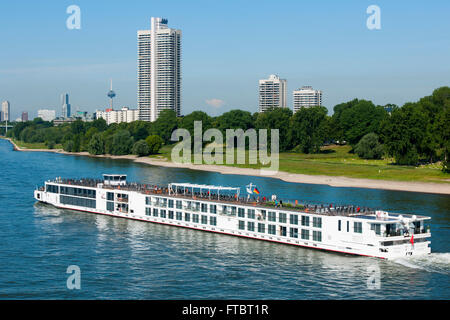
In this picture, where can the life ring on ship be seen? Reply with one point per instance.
(306, 210)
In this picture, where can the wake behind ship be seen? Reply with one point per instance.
(349, 230)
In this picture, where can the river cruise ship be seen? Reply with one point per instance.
(344, 229)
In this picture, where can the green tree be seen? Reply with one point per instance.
(50, 144)
(308, 129)
(96, 145)
(86, 138)
(154, 143)
(139, 129)
(359, 118)
(108, 138)
(234, 119)
(337, 124)
(100, 124)
(77, 127)
(140, 148)
(77, 142)
(444, 123)
(187, 122)
(403, 132)
(122, 143)
(166, 123)
(277, 118)
(369, 147)
(68, 146)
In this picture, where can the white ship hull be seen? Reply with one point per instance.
(336, 233)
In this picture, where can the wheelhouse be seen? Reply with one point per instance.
(115, 179)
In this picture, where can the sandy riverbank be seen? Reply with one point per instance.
(424, 187)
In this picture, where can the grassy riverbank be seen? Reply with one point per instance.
(336, 167)
(338, 161)
(37, 145)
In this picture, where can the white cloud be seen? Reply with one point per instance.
(216, 103)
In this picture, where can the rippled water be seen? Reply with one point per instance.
(125, 259)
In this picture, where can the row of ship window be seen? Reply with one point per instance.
(261, 227)
(196, 218)
(232, 210)
(76, 201)
(71, 191)
(272, 229)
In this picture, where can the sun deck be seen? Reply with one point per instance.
(213, 195)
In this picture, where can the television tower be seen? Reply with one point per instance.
(111, 94)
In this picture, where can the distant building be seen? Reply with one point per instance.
(306, 97)
(159, 70)
(272, 93)
(83, 115)
(47, 115)
(58, 121)
(24, 116)
(6, 111)
(65, 105)
(78, 115)
(118, 116)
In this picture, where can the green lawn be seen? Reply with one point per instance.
(338, 161)
(37, 145)
(332, 161)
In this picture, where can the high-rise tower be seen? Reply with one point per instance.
(159, 70)
(6, 110)
(272, 93)
(306, 97)
(111, 94)
(65, 105)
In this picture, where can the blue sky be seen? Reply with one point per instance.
(226, 47)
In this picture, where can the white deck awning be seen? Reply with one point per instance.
(173, 187)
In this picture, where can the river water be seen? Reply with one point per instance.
(125, 259)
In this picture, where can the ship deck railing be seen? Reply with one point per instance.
(341, 210)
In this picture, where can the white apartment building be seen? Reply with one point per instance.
(47, 115)
(6, 111)
(272, 93)
(117, 116)
(159, 70)
(306, 97)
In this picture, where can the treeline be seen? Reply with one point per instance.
(95, 137)
(417, 132)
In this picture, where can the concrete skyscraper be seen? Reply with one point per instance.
(159, 70)
(272, 93)
(6, 111)
(306, 97)
(65, 105)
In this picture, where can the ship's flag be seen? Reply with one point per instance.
(256, 190)
(412, 239)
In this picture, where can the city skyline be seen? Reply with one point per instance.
(342, 57)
